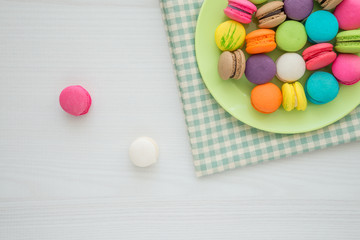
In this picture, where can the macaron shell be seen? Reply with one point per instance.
(257, 1)
(260, 41)
(262, 47)
(230, 35)
(240, 63)
(291, 36)
(288, 93)
(321, 61)
(273, 21)
(237, 15)
(75, 100)
(346, 69)
(260, 69)
(300, 97)
(311, 99)
(266, 98)
(248, 6)
(316, 49)
(329, 4)
(348, 47)
(348, 15)
(298, 9)
(321, 26)
(268, 8)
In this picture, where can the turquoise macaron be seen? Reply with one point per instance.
(321, 26)
(321, 88)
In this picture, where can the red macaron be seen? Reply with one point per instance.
(319, 56)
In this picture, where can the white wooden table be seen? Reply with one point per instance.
(70, 178)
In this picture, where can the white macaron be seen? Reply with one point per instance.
(290, 67)
(144, 152)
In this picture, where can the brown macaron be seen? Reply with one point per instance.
(329, 4)
(271, 14)
(232, 64)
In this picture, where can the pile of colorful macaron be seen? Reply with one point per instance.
(296, 23)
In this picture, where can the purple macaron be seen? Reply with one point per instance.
(298, 9)
(260, 69)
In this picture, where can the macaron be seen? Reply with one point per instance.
(329, 4)
(348, 14)
(266, 98)
(231, 64)
(291, 36)
(258, 1)
(319, 56)
(271, 14)
(321, 26)
(143, 152)
(240, 10)
(298, 9)
(230, 35)
(346, 69)
(75, 100)
(260, 69)
(348, 41)
(321, 88)
(290, 67)
(260, 41)
(293, 97)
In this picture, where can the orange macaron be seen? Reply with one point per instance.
(260, 41)
(266, 98)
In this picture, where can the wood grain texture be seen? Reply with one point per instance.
(70, 178)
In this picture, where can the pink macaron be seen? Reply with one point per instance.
(75, 100)
(348, 14)
(319, 56)
(346, 69)
(240, 10)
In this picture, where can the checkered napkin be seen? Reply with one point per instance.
(220, 142)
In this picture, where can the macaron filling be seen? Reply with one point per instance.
(296, 101)
(260, 40)
(315, 55)
(270, 14)
(241, 10)
(235, 65)
(348, 41)
(329, 4)
(353, 38)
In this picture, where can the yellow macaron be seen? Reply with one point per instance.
(294, 97)
(230, 35)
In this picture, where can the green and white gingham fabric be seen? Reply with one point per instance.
(220, 142)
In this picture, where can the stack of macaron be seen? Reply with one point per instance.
(288, 26)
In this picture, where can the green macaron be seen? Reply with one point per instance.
(258, 1)
(291, 36)
(348, 41)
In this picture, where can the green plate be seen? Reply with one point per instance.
(234, 95)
